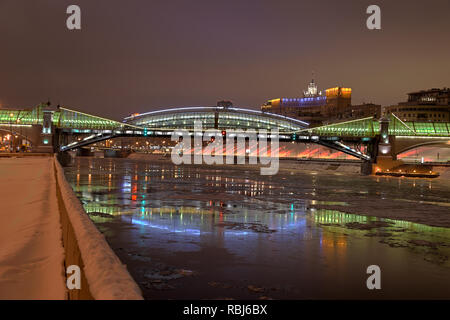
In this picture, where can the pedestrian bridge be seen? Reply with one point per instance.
(67, 122)
(222, 118)
(61, 118)
(214, 118)
(370, 127)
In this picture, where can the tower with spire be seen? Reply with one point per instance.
(312, 91)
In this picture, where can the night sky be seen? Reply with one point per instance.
(136, 56)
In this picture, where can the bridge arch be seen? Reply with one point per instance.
(215, 118)
(403, 144)
(163, 122)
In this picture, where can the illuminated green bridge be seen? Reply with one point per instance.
(52, 128)
(61, 118)
(370, 127)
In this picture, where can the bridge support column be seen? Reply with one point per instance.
(366, 168)
(46, 138)
(385, 158)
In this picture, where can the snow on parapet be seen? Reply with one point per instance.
(107, 277)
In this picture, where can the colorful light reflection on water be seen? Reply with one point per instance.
(255, 225)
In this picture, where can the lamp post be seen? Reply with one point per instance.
(11, 115)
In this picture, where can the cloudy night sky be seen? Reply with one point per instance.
(136, 56)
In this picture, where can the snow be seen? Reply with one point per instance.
(31, 250)
(108, 278)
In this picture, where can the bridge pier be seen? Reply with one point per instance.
(46, 141)
(366, 168)
(385, 158)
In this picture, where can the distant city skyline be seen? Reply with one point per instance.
(140, 56)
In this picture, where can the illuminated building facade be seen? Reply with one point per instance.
(426, 105)
(311, 102)
(338, 101)
(318, 109)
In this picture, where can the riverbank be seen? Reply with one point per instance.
(44, 230)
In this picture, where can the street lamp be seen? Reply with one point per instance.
(11, 115)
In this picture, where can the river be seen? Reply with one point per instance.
(205, 232)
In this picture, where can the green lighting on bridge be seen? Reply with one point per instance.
(365, 128)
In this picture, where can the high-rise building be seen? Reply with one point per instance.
(312, 91)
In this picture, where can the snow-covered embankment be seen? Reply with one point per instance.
(31, 251)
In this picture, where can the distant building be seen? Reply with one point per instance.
(339, 101)
(290, 107)
(431, 105)
(362, 111)
(318, 109)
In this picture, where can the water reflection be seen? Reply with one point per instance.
(182, 199)
(268, 222)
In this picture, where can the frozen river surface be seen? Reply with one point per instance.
(213, 233)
